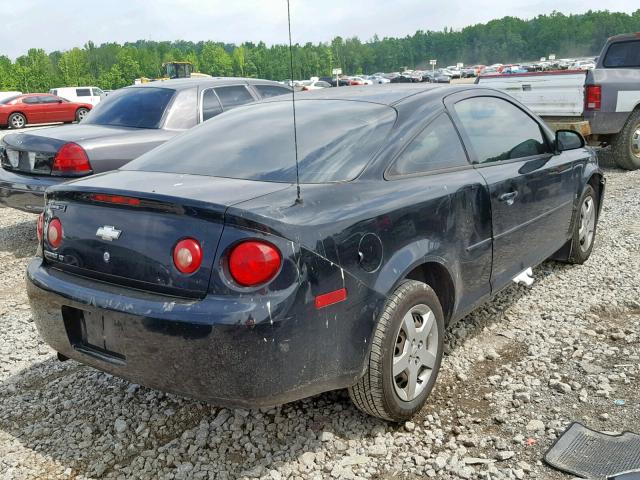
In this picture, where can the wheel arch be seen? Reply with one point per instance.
(438, 277)
(26, 118)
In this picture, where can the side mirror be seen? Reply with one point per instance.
(59, 101)
(569, 140)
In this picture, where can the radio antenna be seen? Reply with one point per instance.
(293, 102)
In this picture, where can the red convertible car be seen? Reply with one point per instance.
(18, 111)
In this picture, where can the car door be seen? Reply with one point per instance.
(97, 96)
(55, 109)
(455, 200)
(34, 109)
(532, 188)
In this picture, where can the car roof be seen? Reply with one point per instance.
(624, 36)
(389, 94)
(185, 83)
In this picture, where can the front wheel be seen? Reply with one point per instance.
(626, 144)
(405, 356)
(17, 121)
(81, 113)
(584, 227)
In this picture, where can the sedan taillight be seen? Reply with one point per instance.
(187, 256)
(54, 233)
(253, 263)
(71, 159)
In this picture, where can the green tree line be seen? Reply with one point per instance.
(509, 39)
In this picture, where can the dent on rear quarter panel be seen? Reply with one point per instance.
(329, 343)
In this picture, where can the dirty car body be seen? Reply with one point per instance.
(128, 123)
(372, 213)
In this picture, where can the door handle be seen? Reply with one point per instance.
(509, 198)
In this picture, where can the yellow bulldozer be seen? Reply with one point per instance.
(173, 70)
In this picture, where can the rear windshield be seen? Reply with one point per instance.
(132, 107)
(9, 100)
(621, 55)
(336, 139)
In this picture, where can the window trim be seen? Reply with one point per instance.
(391, 177)
(471, 153)
(201, 106)
(604, 57)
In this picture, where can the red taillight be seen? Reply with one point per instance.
(40, 227)
(187, 256)
(117, 199)
(593, 97)
(54, 233)
(253, 263)
(71, 159)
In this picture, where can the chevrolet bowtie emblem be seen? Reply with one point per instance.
(108, 233)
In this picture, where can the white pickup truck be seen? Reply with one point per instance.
(603, 103)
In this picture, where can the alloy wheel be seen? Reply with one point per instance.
(635, 142)
(81, 114)
(415, 352)
(17, 121)
(587, 223)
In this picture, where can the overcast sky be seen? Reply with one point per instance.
(64, 24)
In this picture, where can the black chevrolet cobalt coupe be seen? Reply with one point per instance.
(198, 269)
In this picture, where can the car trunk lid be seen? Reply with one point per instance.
(122, 227)
(34, 153)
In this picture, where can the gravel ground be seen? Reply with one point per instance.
(517, 372)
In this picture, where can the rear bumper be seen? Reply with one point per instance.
(606, 123)
(25, 192)
(214, 349)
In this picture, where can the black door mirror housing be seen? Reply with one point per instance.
(569, 140)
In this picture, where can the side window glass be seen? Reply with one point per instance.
(234, 96)
(97, 92)
(623, 55)
(268, 91)
(210, 105)
(83, 92)
(49, 99)
(498, 130)
(31, 100)
(436, 147)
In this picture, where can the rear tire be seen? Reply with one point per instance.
(625, 147)
(81, 113)
(17, 121)
(405, 356)
(584, 227)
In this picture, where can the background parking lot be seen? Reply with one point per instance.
(518, 371)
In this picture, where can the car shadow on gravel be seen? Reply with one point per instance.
(90, 421)
(19, 239)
